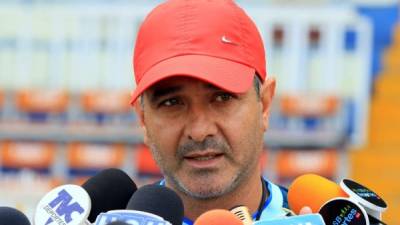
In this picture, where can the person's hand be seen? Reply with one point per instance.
(305, 210)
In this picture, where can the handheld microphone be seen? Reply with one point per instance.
(117, 223)
(150, 204)
(218, 217)
(313, 191)
(350, 203)
(66, 204)
(110, 189)
(158, 200)
(12, 216)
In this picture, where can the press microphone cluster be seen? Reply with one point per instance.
(112, 198)
(349, 203)
(109, 198)
(105, 192)
(80, 205)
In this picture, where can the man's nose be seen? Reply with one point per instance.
(200, 124)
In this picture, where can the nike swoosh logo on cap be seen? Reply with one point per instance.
(226, 40)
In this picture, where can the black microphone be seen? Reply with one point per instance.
(158, 200)
(110, 189)
(11, 216)
(117, 223)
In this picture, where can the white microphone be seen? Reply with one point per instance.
(66, 204)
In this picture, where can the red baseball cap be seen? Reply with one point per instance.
(211, 40)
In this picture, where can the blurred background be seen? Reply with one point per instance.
(66, 77)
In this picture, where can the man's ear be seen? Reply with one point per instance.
(267, 94)
(139, 109)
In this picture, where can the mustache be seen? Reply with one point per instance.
(208, 143)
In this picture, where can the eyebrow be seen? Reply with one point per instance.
(163, 91)
(159, 92)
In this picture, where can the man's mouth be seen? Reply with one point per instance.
(203, 159)
(203, 155)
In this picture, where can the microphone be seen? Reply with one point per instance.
(313, 191)
(349, 203)
(117, 223)
(218, 217)
(108, 190)
(68, 204)
(150, 204)
(12, 216)
(74, 205)
(158, 200)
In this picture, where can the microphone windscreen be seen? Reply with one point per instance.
(218, 217)
(313, 191)
(110, 189)
(12, 216)
(158, 200)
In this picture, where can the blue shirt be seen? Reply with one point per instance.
(273, 205)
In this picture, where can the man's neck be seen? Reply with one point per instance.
(249, 194)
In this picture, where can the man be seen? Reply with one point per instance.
(203, 100)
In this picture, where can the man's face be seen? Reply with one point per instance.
(206, 141)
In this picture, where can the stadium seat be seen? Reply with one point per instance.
(39, 105)
(107, 105)
(86, 159)
(293, 163)
(35, 156)
(309, 105)
(144, 162)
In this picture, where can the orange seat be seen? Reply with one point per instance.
(145, 164)
(309, 105)
(95, 156)
(43, 101)
(35, 155)
(110, 102)
(292, 163)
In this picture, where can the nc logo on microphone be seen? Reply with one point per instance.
(67, 204)
(63, 208)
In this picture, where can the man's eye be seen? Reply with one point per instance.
(169, 102)
(223, 97)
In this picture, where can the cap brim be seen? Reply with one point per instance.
(222, 73)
